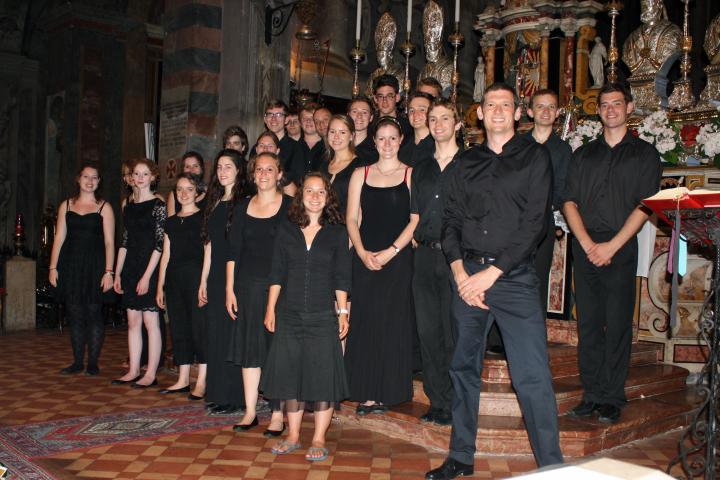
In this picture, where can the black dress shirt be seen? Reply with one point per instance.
(366, 151)
(312, 157)
(309, 278)
(427, 196)
(560, 155)
(497, 205)
(411, 154)
(292, 159)
(608, 183)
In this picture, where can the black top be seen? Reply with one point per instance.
(385, 212)
(251, 240)
(144, 225)
(560, 155)
(412, 154)
(186, 246)
(427, 198)
(312, 157)
(608, 183)
(341, 181)
(309, 278)
(498, 204)
(366, 151)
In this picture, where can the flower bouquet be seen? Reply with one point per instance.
(663, 135)
(586, 131)
(708, 139)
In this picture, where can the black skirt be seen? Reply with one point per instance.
(249, 339)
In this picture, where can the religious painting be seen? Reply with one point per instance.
(172, 143)
(560, 281)
(54, 123)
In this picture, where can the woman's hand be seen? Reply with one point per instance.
(117, 285)
(344, 324)
(370, 261)
(142, 286)
(270, 321)
(53, 277)
(160, 298)
(384, 256)
(106, 282)
(231, 304)
(202, 295)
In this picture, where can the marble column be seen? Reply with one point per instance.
(487, 43)
(569, 28)
(544, 55)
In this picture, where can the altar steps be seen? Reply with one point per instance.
(658, 401)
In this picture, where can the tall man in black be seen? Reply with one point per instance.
(496, 208)
(606, 181)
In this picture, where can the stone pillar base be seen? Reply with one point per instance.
(712, 89)
(20, 300)
(644, 96)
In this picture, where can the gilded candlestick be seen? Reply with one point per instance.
(682, 96)
(457, 40)
(613, 8)
(408, 50)
(357, 55)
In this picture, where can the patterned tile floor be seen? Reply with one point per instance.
(33, 392)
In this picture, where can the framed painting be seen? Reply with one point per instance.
(560, 282)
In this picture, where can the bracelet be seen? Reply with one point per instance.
(397, 250)
(341, 311)
(109, 272)
(52, 268)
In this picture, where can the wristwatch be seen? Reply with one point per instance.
(397, 250)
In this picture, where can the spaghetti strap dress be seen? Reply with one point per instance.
(378, 356)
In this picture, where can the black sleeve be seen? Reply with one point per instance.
(571, 191)
(453, 215)
(560, 170)
(278, 270)
(650, 175)
(414, 208)
(343, 260)
(159, 213)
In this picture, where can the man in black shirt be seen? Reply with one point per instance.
(496, 208)
(431, 275)
(311, 144)
(290, 154)
(544, 111)
(386, 93)
(422, 145)
(606, 181)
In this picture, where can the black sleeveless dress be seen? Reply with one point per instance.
(378, 356)
(144, 229)
(81, 263)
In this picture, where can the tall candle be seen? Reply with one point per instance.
(457, 11)
(409, 17)
(357, 20)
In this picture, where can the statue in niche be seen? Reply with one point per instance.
(712, 41)
(598, 56)
(479, 80)
(711, 93)
(438, 65)
(385, 34)
(653, 43)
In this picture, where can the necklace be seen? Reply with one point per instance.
(389, 172)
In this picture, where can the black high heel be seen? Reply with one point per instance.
(249, 426)
(274, 433)
(117, 381)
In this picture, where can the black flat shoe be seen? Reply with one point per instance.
(71, 369)
(194, 398)
(167, 391)
(92, 370)
(609, 414)
(443, 418)
(363, 410)
(249, 426)
(430, 415)
(274, 433)
(117, 381)
(450, 469)
(137, 385)
(584, 409)
(378, 408)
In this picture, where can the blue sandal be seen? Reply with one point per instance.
(311, 458)
(286, 446)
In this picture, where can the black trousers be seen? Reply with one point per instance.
(515, 306)
(605, 299)
(543, 263)
(432, 294)
(187, 326)
(87, 327)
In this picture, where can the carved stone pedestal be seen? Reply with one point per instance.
(20, 301)
(712, 89)
(644, 95)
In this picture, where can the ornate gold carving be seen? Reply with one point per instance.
(438, 65)
(385, 35)
(712, 41)
(648, 47)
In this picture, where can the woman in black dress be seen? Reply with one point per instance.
(254, 227)
(136, 271)
(310, 275)
(192, 163)
(342, 160)
(224, 388)
(180, 269)
(81, 266)
(378, 355)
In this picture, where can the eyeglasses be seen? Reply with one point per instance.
(389, 97)
(275, 115)
(265, 146)
(293, 122)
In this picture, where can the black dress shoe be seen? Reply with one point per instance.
(137, 385)
(209, 406)
(74, 368)
(226, 410)
(194, 398)
(430, 415)
(584, 409)
(378, 408)
(450, 469)
(443, 418)
(274, 433)
(609, 413)
(92, 370)
(363, 410)
(249, 426)
(117, 381)
(167, 391)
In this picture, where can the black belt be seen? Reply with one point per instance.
(478, 258)
(433, 244)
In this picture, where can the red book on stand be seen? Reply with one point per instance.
(668, 199)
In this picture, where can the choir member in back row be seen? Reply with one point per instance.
(178, 282)
(342, 160)
(193, 163)
(254, 227)
(81, 266)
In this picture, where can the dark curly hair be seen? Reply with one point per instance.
(216, 191)
(331, 213)
(76, 185)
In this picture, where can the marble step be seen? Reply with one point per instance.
(642, 381)
(502, 435)
(563, 361)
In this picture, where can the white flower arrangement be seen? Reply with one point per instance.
(586, 131)
(657, 130)
(708, 139)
